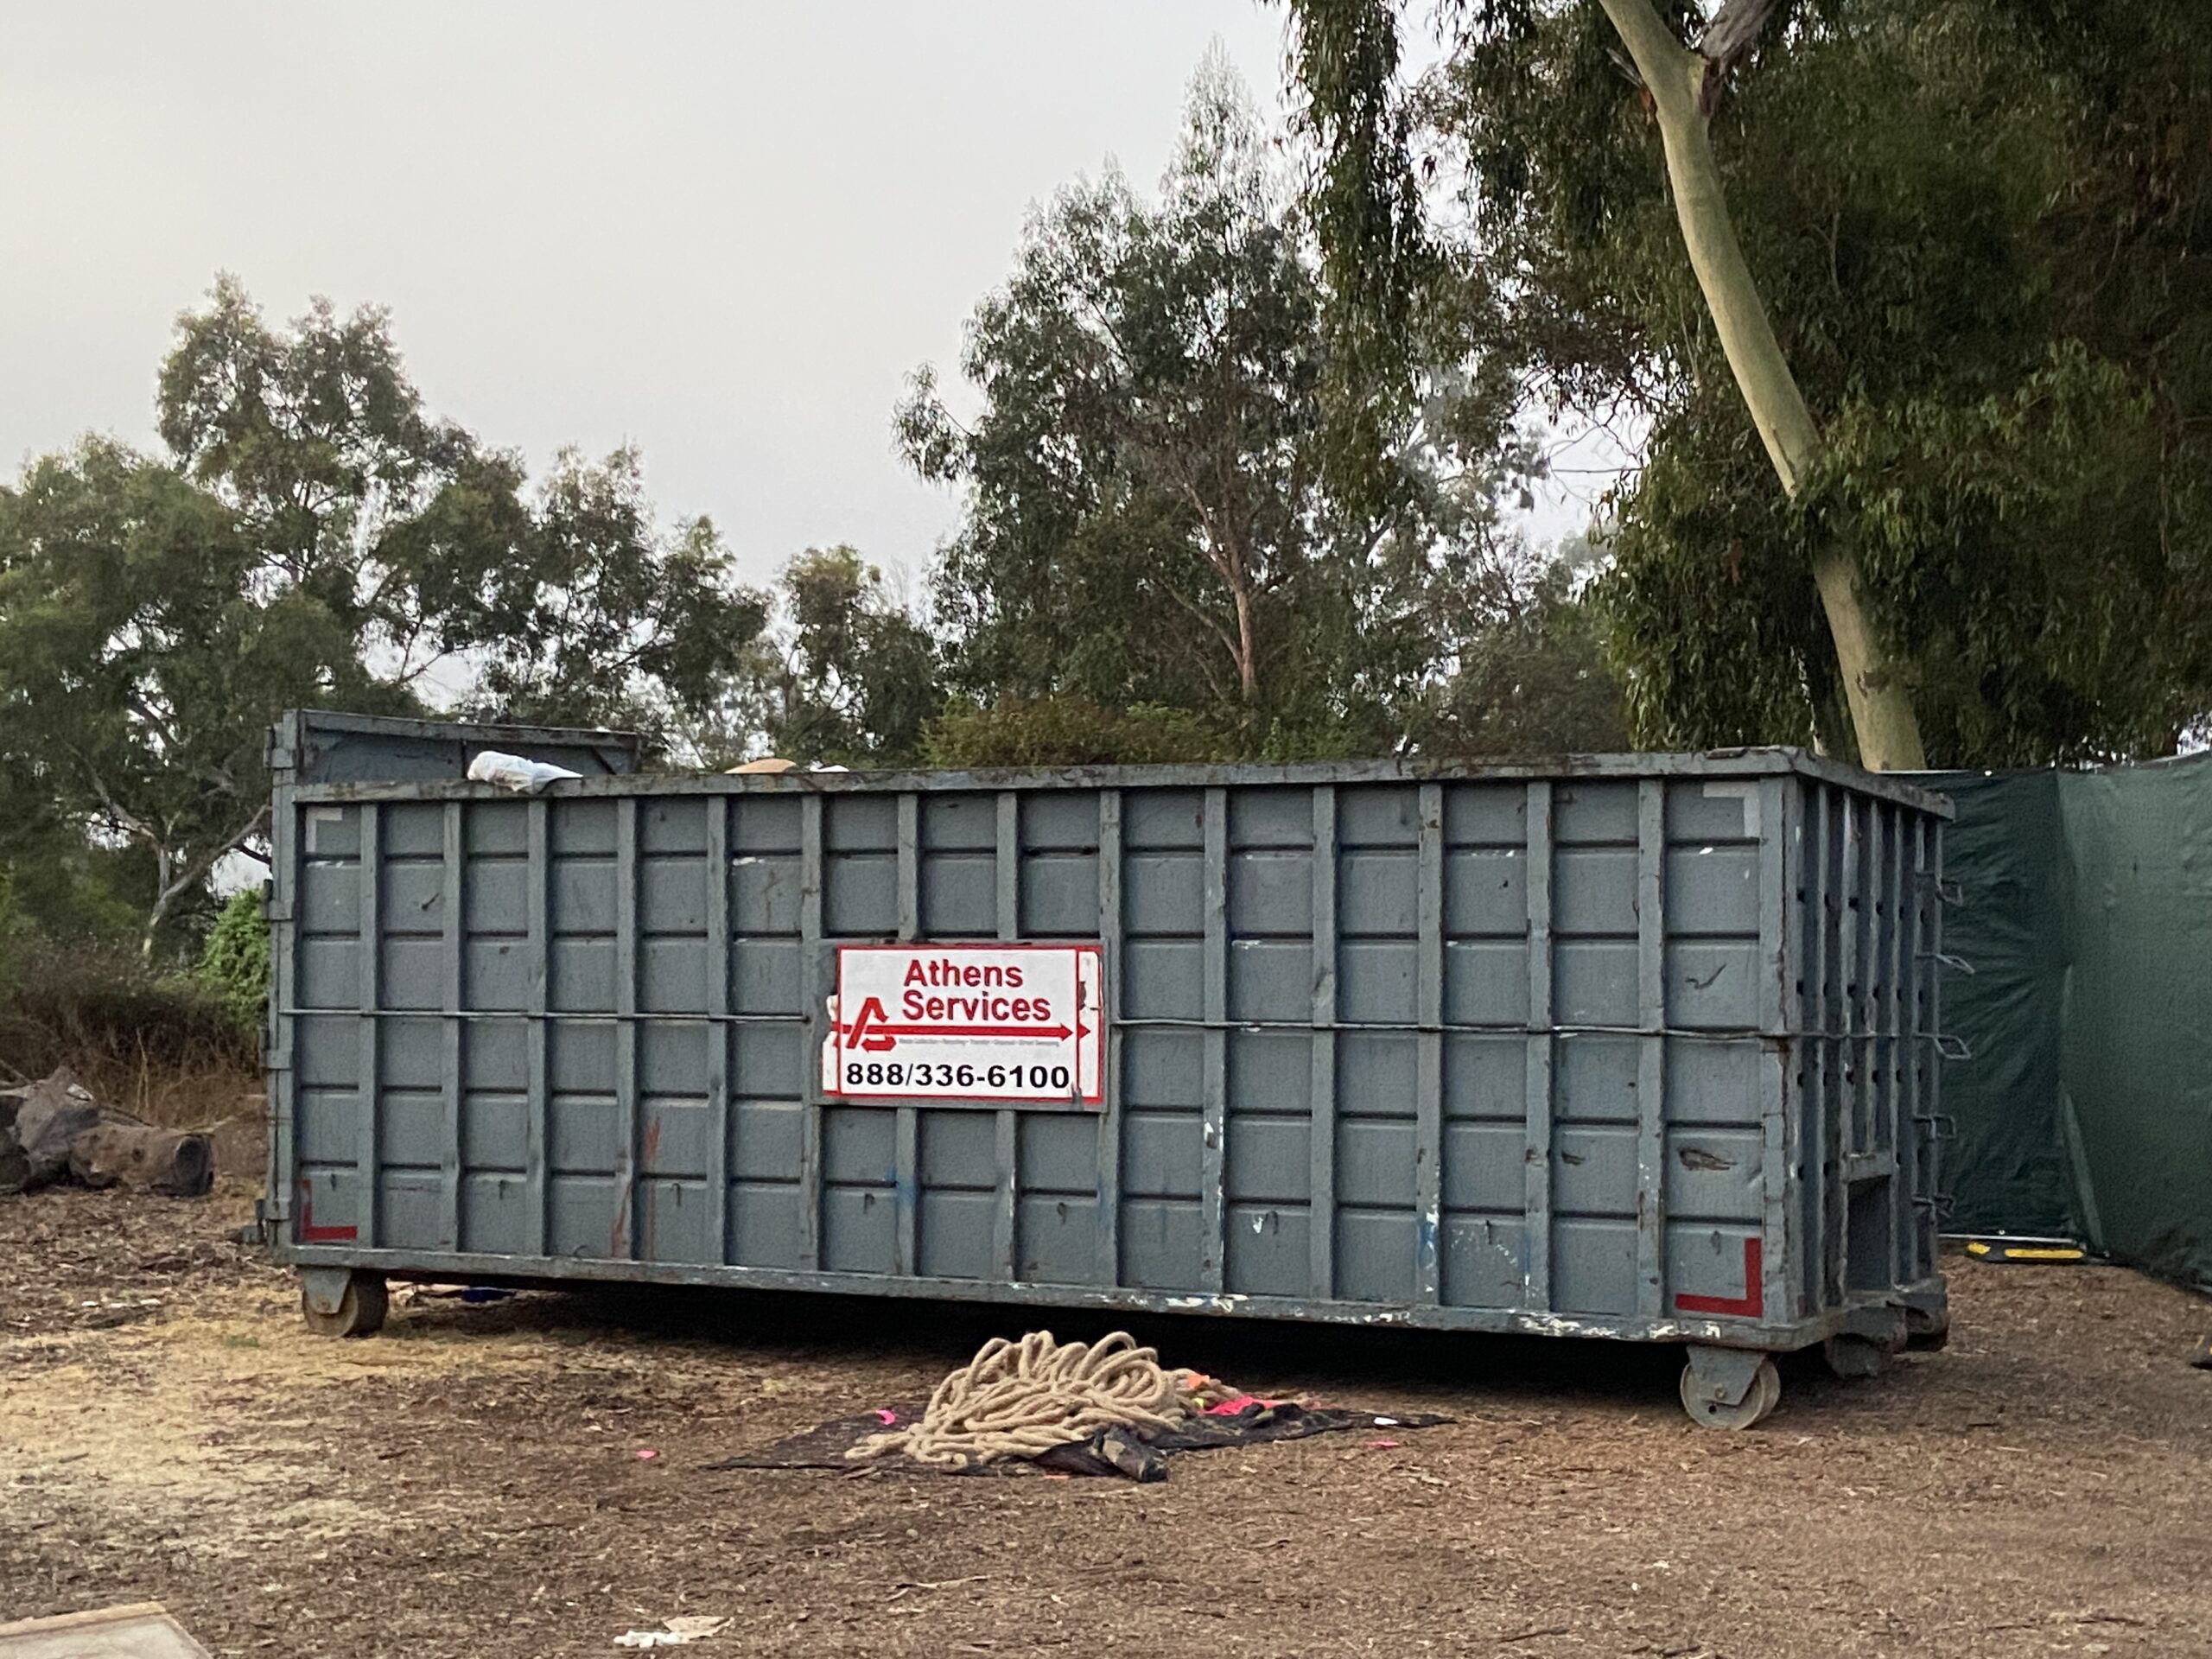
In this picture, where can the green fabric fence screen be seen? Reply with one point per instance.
(2085, 912)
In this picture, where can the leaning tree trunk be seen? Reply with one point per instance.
(1881, 707)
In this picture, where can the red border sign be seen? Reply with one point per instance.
(972, 1020)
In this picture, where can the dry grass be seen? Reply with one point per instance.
(176, 1097)
(146, 1043)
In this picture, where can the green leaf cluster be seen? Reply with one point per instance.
(1980, 228)
(233, 966)
(844, 675)
(1155, 513)
(313, 537)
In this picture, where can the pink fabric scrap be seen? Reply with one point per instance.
(885, 1415)
(1235, 1403)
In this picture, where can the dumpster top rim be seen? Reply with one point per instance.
(1720, 764)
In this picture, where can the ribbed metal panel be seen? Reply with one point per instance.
(1641, 1046)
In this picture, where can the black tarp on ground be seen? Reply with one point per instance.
(2085, 913)
(1136, 1453)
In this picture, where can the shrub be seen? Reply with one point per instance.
(99, 1009)
(1067, 731)
(234, 963)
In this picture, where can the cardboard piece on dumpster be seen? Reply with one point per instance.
(140, 1630)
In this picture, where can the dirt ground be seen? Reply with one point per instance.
(471, 1481)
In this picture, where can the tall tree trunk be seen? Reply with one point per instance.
(1248, 649)
(1881, 707)
(164, 895)
(155, 917)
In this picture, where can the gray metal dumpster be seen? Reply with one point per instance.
(1638, 1047)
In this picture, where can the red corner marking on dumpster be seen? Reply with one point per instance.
(1751, 1305)
(311, 1234)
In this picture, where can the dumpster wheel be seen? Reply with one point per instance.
(1759, 1400)
(1853, 1357)
(1926, 1327)
(358, 1309)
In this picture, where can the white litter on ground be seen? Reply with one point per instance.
(674, 1632)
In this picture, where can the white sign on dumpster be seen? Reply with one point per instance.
(993, 1022)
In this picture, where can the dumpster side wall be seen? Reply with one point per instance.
(1618, 1050)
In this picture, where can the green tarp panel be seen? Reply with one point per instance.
(2004, 853)
(2085, 912)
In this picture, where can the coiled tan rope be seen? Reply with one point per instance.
(1016, 1400)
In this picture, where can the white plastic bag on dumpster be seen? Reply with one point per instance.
(512, 772)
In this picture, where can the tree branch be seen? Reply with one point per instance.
(197, 869)
(1727, 41)
(129, 822)
(194, 872)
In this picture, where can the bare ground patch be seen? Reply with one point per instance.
(468, 1483)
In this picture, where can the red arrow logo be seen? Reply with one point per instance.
(1057, 1032)
(867, 1032)
(872, 1032)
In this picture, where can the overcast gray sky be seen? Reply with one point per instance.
(723, 233)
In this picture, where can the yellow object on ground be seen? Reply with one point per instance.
(1996, 1249)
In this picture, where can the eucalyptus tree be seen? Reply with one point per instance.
(313, 535)
(1911, 293)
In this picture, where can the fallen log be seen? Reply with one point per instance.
(178, 1163)
(49, 1116)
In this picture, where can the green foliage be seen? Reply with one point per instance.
(234, 962)
(1150, 516)
(1536, 681)
(1982, 229)
(1067, 731)
(1379, 262)
(605, 619)
(53, 880)
(315, 539)
(1996, 297)
(2091, 643)
(856, 676)
(138, 663)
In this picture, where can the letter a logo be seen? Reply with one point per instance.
(867, 1032)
